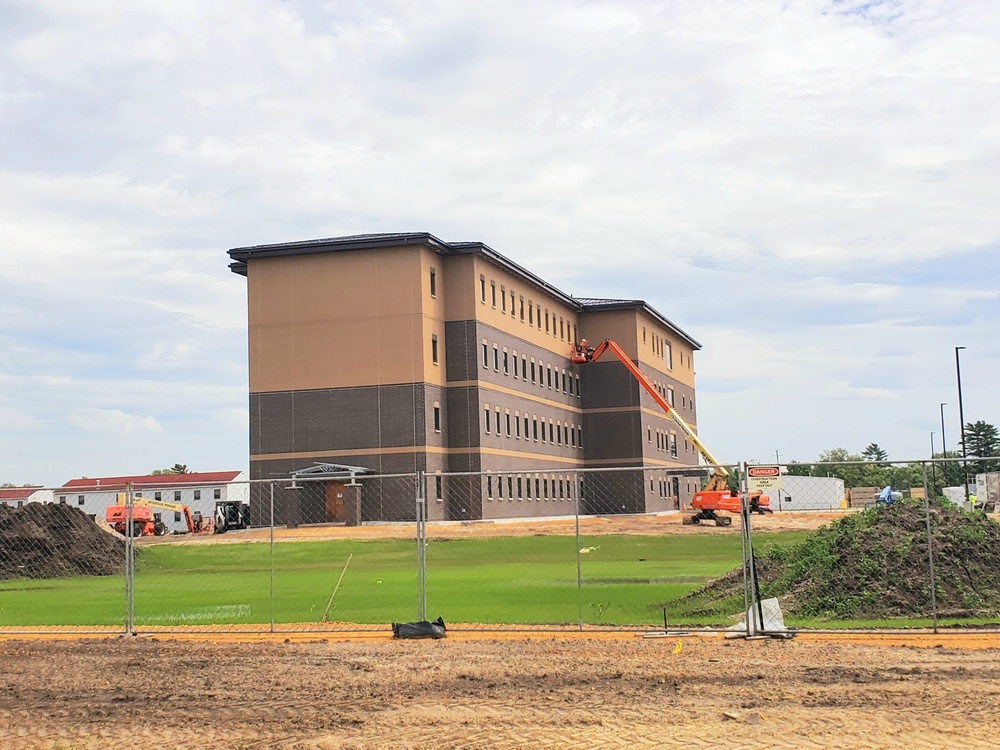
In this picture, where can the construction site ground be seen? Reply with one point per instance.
(614, 690)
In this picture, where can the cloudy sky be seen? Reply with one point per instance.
(808, 187)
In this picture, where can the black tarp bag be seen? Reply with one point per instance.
(421, 629)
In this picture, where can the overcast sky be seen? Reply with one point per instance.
(809, 188)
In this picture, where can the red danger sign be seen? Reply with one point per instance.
(763, 471)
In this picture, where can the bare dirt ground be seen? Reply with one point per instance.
(591, 525)
(545, 691)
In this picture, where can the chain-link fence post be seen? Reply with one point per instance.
(129, 561)
(270, 525)
(930, 547)
(751, 597)
(421, 514)
(579, 562)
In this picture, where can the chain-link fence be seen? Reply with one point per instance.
(848, 544)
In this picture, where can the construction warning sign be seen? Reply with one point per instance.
(763, 478)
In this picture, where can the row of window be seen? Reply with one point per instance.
(665, 441)
(530, 371)
(216, 495)
(520, 488)
(531, 427)
(557, 325)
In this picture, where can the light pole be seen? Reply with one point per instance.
(944, 451)
(932, 457)
(961, 423)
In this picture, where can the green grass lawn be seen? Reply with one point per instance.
(626, 580)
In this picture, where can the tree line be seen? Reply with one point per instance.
(870, 467)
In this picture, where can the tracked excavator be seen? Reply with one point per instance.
(715, 500)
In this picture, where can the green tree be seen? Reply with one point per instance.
(853, 473)
(874, 453)
(175, 469)
(982, 440)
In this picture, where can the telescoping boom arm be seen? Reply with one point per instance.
(583, 354)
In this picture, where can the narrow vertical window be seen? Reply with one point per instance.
(434, 348)
(506, 363)
(512, 303)
(524, 367)
(521, 300)
(438, 488)
(496, 359)
(437, 417)
(546, 320)
(498, 421)
(493, 293)
(668, 356)
(486, 354)
(434, 288)
(503, 298)
(531, 309)
(534, 428)
(507, 423)
(482, 288)
(517, 425)
(486, 418)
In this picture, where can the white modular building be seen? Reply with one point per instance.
(809, 493)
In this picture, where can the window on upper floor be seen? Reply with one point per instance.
(482, 288)
(433, 279)
(437, 417)
(503, 298)
(434, 348)
(493, 293)
(667, 355)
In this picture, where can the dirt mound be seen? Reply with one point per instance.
(874, 565)
(53, 540)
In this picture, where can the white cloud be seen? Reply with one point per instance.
(802, 186)
(111, 420)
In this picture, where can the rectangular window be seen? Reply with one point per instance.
(572, 436)
(532, 371)
(506, 363)
(517, 425)
(545, 487)
(538, 488)
(438, 488)
(486, 420)
(79, 499)
(217, 493)
(546, 320)
(503, 298)
(434, 286)
(644, 334)
(62, 499)
(528, 482)
(524, 367)
(489, 486)
(177, 496)
(562, 333)
(578, 386)
(507, 422)
(493, 293)
(177, 515)
(156, 496)
(510, 487)
(531, 312)
(482, 288)
(673, 445)
(668, 356)
(499, 488)
(570, 379)
(521, 300)
(434, 348)
(520, 488)
(197, 494)
(526, 427)
(512, 313)
(548, 369)
(574, 333)
(437, 417)
(496, 359)
(486, 354)
(497, 414)
(670, 395)
(534, 428)
(579, 437)
(552, 433)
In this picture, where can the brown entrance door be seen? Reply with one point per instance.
(335, 502)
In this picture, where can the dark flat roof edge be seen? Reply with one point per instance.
(338, 244)
(645, 307)
(241, 255)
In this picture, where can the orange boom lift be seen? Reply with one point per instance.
(714, 496)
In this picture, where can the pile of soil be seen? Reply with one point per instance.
(874, 565)
(53, 540)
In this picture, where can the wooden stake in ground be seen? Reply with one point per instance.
(337, 587)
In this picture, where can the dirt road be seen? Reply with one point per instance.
(613, 692)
